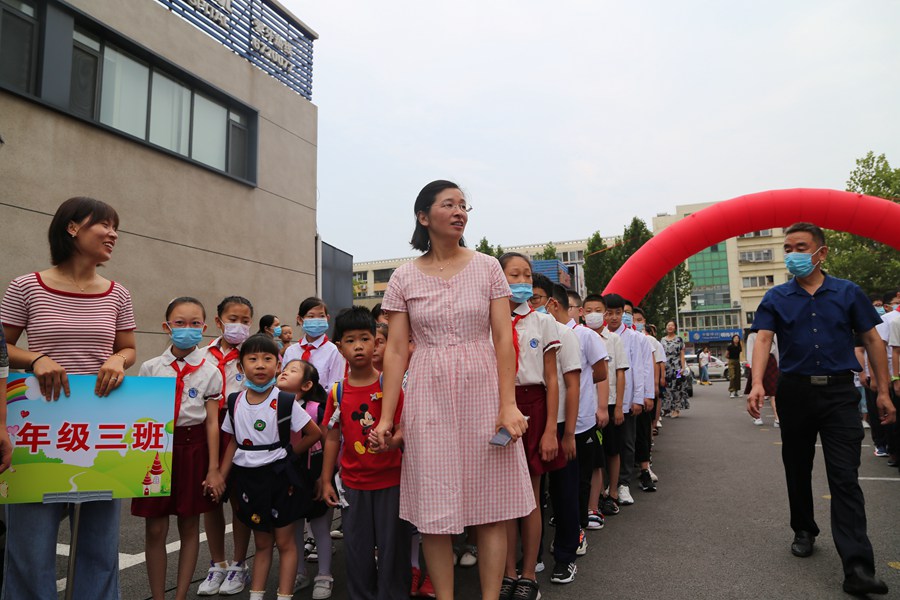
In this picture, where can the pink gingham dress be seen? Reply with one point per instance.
(451, 477)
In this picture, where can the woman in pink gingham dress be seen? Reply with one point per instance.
(455, 400)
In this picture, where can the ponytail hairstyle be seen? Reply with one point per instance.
(421, 241)
(265, 322)
(316, 393)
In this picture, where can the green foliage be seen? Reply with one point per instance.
(875, 267)
(485, 248)
(601, 263)
(21, 456)
(548, 253)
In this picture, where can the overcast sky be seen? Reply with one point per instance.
(563, 118)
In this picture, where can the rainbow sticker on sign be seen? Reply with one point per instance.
(119, 446)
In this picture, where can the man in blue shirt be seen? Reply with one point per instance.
(815, 317)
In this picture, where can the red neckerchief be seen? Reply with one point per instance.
(179, 383)
(223, 358)
(516, 318)
(308, 348)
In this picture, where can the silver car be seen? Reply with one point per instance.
(717, 368)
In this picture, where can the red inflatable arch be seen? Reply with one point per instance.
(867, 216)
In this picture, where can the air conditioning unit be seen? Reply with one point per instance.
(735, 304)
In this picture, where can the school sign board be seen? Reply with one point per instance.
(82, 447)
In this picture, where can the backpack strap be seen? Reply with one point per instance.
(283, 421)
(232, 399)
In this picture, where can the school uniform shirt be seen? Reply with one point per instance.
(568, 359)
(257, 425)
(638, 352)
(591, 351)
(618, 359)
(323, 355)
(751, 342)
(537, 334)
(202, 382)
(894, 337)
(884, 330)
(362, 469)
(659, 354)
(227, 362)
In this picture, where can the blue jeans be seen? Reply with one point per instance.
(704, 373)
(30, 568)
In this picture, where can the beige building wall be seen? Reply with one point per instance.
(185, 230)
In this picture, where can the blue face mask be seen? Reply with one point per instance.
(639, 327)
(315, 327)
(185, 338)
(521, 292)
(879, 310)
(259, 388)
(276, 331)
(541, 309)
(627, 319)
(800, 264)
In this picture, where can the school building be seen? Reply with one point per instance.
(730, 279)
(194, 119)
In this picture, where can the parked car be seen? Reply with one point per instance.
(717, 368)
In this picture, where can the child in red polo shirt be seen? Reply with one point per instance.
(369, 485)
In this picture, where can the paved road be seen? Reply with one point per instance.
(717, 527)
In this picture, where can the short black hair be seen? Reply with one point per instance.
(259, 342)
(382, 328)
(355, 318)
(508, 256)
(594, 298)
(803, 227)
(376, 311)
(265, 322)
(637, 310)
(574, 298)
(561, 295)
(175, 302)
(76, 210)
(421, 241)
(233, 300)
(309, 304)
(613, 301)
(539, 280)
(888, 297)
(628, 303)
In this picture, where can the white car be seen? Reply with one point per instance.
(717, 368)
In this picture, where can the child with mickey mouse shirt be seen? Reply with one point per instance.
(370, 475)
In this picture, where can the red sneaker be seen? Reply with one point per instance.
(416, 582)
(426, 590)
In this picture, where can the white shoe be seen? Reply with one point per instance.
(539, 567)
(659, 423)
(302, 581)
(322, 588)
(582, 544)
(733, 395)
(757, 421)
(469, 557)
(625, 498)
(214, 578)
(866, 425)
(236, 578)
(653, 476)
(777, 424)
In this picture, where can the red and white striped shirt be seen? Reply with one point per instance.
(76, 330)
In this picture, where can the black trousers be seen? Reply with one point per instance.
(589, 457)
(879, 435)
(564, 499)
(832, 413)
(643, 435)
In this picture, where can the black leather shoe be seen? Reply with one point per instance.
(803, 544)
(860, 582)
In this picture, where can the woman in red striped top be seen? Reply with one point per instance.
(77, 323)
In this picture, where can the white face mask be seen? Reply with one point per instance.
(594, 320)
(235, 333)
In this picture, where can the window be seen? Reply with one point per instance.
(758, 281)
(750, 316)
(760, 233)
(85, 74)
(383, 276)
(238, 145)
(757, 255)
(123, 98)
(209, 135)
(18, 44)
(170, 114)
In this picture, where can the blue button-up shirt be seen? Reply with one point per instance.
(815, 332)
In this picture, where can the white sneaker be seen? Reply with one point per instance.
(866, 425)
(214, 578)
(302, 581)
(758, 421)
(469, 557)
(322, 589)
(539, 567)
(653, 476)
(236, 578)
(625, 498)
(582, 544)
(659, 423)
(733, 395)
(777, 424)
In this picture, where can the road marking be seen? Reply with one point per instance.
(879, 478)
(128, 560)
(894, 565)
(827, 497)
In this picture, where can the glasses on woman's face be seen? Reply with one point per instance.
(450, 205)
(179, 324)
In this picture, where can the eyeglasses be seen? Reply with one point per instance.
(448, 205)
(182, 324)
(536, 298)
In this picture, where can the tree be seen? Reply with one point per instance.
(485, 248)
(602, 261)
(548, 253)
(875, 267)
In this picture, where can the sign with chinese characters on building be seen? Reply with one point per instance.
(260, 31)
(120, 444)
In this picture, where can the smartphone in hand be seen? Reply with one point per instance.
(501, 438)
